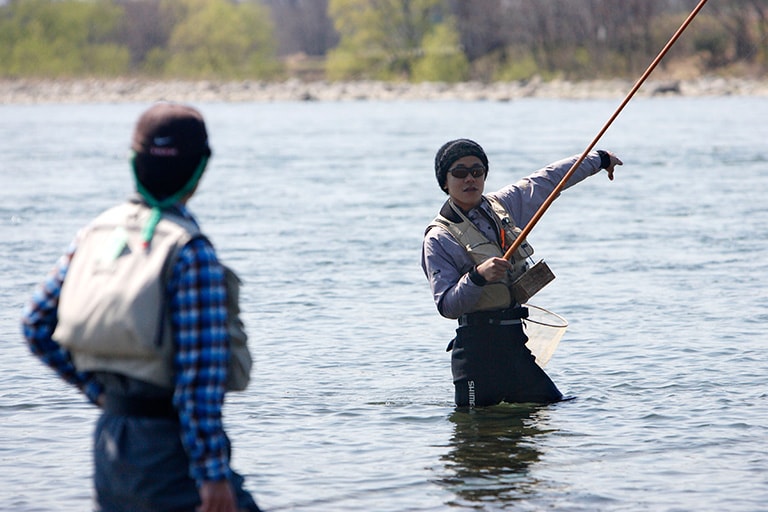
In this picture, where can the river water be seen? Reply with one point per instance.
(321, 207)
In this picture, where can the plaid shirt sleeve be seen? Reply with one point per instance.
(198, 309)
(39, 321)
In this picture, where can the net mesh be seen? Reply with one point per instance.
(544, 330)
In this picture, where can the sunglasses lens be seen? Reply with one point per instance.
(461, 172)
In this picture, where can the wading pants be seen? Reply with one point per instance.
(491, 364)
(141, 466)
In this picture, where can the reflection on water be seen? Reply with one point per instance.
(491, 454)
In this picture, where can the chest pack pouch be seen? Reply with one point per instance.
(240, 361)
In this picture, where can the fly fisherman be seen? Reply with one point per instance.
(462, 257)
(141, 317)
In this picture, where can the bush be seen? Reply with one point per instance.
(516, 64)
(442, 59)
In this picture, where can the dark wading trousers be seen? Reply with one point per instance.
(141, 466)
(491, 364)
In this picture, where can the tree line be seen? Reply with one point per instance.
(403, 40)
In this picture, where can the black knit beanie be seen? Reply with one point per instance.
(452, 151)
(169, 143)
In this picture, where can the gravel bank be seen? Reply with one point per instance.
(25, 91)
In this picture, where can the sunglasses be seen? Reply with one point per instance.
(461, 172)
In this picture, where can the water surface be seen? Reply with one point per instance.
(321, 207)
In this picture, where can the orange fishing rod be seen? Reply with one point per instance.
(552, 196)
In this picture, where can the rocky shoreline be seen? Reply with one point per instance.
(28, 91)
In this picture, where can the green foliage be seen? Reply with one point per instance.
(210, 39)
(155, 61)
(342, 64)
(218, 38)
(53, 39)
(443, 59)
(379, 39)
(518, 64)
(710, 38)
(106, 60)
(414, 40)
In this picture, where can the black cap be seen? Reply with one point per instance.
(169, 141)
(169, 130)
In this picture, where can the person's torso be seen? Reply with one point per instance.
(480, 247)
(112, 313)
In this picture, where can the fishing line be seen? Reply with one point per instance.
(551, 198)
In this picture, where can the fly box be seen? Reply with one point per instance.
(533, 280)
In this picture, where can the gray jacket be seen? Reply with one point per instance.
(447, 264)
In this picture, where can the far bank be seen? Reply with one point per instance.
(129, 90)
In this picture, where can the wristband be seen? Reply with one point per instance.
(476, 277)
(605, 159)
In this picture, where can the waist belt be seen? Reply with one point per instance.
(146, 407)
(509, 316)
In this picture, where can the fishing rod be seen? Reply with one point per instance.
(552, 196)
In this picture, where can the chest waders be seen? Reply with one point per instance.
(489, 360)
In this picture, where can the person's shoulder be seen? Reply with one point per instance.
(198, 251)
(112, 210)
(439, 239)
(507, 191)
(201, 243)
(433, 230)
(107, 216)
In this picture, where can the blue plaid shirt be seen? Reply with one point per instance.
(197, 294)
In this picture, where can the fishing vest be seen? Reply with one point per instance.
(113, 315)
(495, 295)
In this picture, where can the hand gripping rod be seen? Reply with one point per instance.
(552, 196)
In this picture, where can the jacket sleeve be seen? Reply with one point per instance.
(446, 265)
(523, 198)
(39, 322)
(198, 311)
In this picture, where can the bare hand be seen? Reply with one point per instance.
(494, 269)
(217, 497)
(614, 162)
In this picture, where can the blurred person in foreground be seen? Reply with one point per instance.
(462, 257)
(141, 317)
